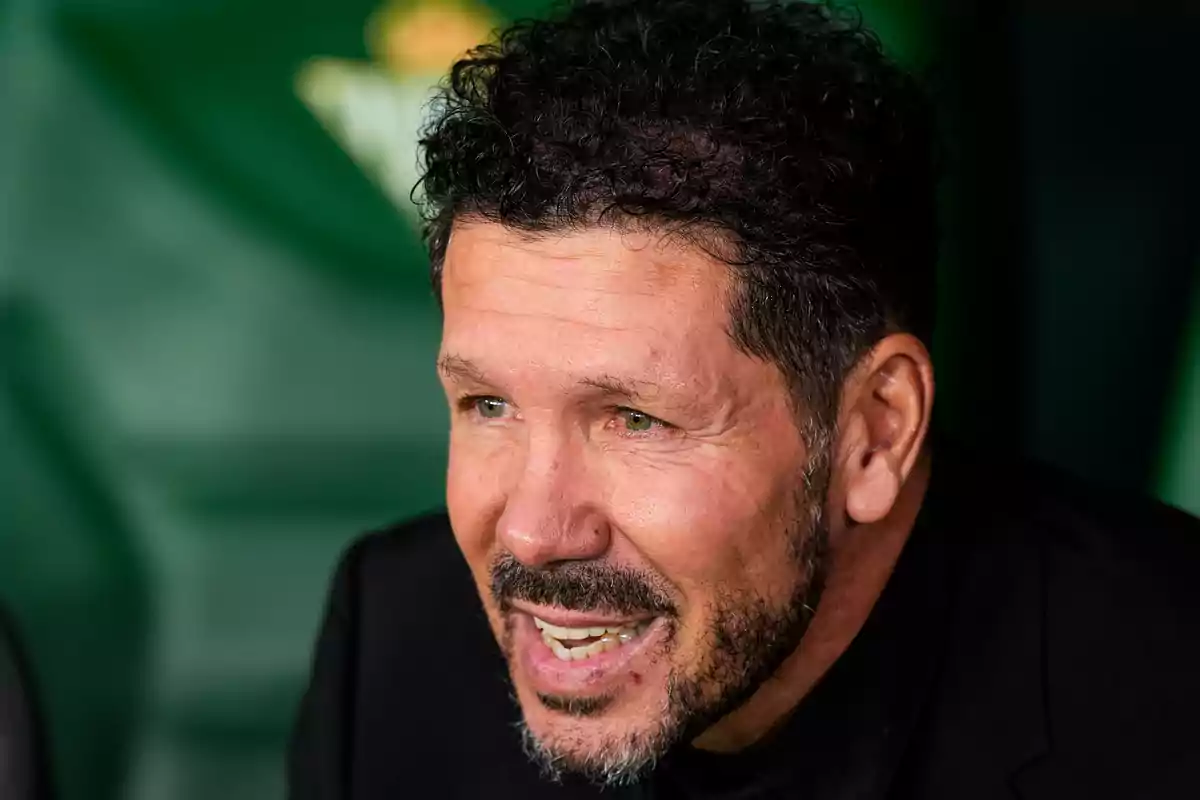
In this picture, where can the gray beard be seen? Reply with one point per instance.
(748, 642)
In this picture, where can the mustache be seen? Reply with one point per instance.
(580, 586)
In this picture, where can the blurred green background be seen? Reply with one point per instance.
(216, 337)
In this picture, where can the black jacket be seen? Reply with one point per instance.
(1041, 642)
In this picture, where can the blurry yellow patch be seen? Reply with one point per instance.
(375, 109)
(428, 37)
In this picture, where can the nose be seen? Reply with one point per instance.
(548, 516)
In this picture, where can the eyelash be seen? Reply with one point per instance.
(469, 404)
(655, 422)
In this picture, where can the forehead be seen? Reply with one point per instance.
(487, 263)
(596, 295)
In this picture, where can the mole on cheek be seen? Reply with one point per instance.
(636, 678)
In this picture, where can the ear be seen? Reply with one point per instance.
(884, 418)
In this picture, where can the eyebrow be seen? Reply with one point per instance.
(466, 371)
(461, 369)
(637, 391)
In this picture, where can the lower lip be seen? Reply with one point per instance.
(600, 674)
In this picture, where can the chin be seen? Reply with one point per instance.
(606, 740)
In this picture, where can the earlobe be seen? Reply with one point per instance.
(873, 488)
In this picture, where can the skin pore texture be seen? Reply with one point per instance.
(661, 555)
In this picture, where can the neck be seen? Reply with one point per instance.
(860, 567)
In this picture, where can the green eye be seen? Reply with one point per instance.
(489, 407)
(636, 421)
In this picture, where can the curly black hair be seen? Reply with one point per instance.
(778, 136)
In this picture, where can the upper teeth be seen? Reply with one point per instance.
(610, 637)
(577, 633)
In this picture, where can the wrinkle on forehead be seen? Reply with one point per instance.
(602, 278)
(590, 260)
(601, 303)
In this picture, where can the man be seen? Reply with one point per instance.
(684, 250)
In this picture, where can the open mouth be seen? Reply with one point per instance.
(579, 644)
(583, 654)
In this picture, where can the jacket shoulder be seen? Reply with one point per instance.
(1074, 638)
(421, 549)
(1122, 639)
(406, 565)
(1145, 552)
(405, 585)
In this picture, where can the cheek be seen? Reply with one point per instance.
(475, 491)
(705, 524)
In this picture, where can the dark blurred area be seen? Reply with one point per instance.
(216, 336)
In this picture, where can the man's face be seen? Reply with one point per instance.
(630, 490)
